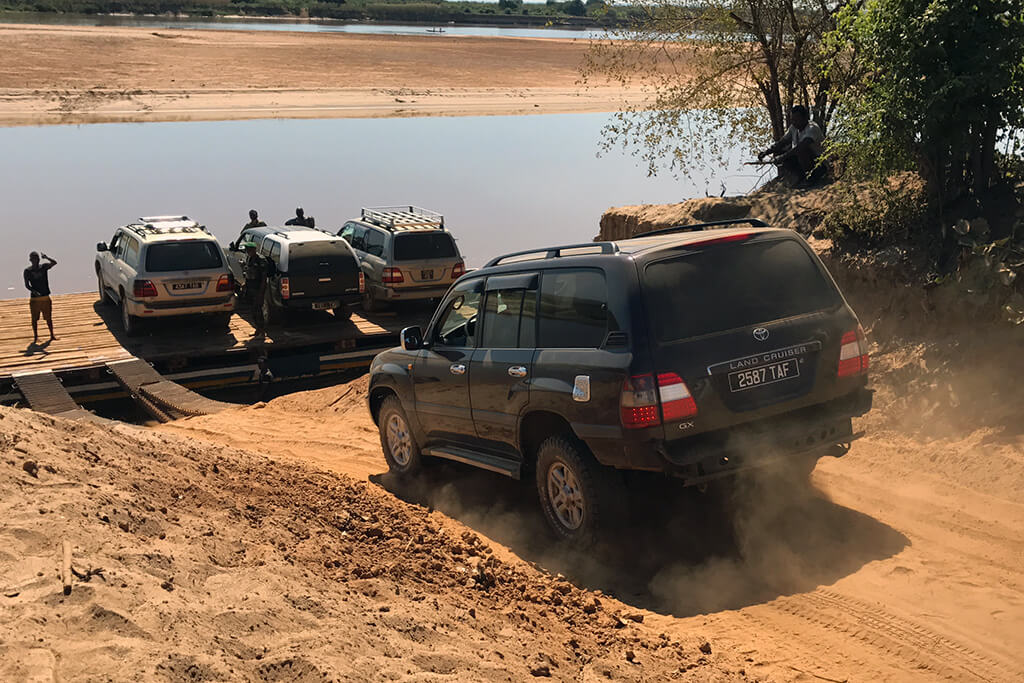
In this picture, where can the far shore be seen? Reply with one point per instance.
(84, 74)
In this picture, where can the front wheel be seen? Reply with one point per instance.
(578, 495)
(101, 289)
(396, 439)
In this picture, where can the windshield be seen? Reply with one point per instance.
(320, 257)
(734, 285)
(192, 255)
(425, 245)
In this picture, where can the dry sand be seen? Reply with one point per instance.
(65, 74)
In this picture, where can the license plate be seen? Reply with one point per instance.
(184, 286)
(324, 305)
(426, 275)
(741, 380)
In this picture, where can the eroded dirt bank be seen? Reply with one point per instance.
(75, 74)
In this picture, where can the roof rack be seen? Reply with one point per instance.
(402, 217)
(162, 225)
(557, 252)
(755, 222)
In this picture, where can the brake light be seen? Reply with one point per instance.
(286, 288)
(853, 353)
(144, 289)
(362, 282)
(392, 276)
(638, 405)
(225, 283)
(459, 270)
(737, 237)
(676, 401)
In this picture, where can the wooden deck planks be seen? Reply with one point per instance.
(89, 334)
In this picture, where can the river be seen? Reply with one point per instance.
(504, 183)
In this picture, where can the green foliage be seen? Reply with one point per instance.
(941, 86)
(710, 69)
(874, 214)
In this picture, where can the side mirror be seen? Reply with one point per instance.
(412, 339)
(102, 246)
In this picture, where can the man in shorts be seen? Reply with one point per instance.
(37, 281)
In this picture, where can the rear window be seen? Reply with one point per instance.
(427, 245)
(193, 255)
(319, 257)
(735, 285)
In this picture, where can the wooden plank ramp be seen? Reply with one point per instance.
(162, 398)
(44, 393)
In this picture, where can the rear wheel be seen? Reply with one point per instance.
(396, 439)
(579, 496)
(272, 313)
(370, 302)
(343, 312)
(128, 321)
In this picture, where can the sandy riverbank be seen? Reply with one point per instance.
(72, 74)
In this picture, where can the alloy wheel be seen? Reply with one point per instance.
(566, 496)
(399, 440)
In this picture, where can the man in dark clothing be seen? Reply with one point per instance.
(301, 219)
(797, 154)
(37, 282)
(254, 222)
(256, 273)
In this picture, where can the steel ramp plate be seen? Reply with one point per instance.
(45, 394)
(165, 396)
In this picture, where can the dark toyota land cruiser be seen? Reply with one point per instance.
(697, 351)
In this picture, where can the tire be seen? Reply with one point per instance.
(592, 496)
(272, 314)
(370, 302)
(102, 289)
(397, 440)
(221, 321)
(129, 322)
(343, 312)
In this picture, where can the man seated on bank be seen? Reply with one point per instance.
(798, 151)
(301, 219)
(37, 282)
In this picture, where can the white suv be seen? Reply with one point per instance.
(164, 266)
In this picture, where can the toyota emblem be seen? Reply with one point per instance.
(760, 334)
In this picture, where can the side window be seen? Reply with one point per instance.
(347, 232)
(265, 246)
(359, 238)
(275, 252)
(115, 243)
(457, 325)
(573, 309)
(510, 319)
(374, 242)
(131, 252)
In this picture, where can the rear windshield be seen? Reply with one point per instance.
(425, 245)
(166, 257)
(320, 257)
(735, 285)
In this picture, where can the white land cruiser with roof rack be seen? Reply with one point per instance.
(405, 252)
(164, 266)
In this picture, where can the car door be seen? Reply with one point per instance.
(441, 373)
(108, 262)
(502, 363)
(236, 258)
(373, 259)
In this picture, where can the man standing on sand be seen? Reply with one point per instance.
(37, 282)
(799, 149)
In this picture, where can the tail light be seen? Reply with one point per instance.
(459, 270)
(286, 288)
(736, 237)
(392, 276)
(226, 283)
(638, 405)
(362, 282)
(853, 353)
(676, 401)
(143, 289)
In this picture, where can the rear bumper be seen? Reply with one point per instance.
(410, 293)
(160, 309)
(824, 429)
(305, 303)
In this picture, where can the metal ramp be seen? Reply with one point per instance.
(163, 399)
(44, 393)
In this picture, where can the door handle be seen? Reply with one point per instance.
(517, 371)
(457, 369)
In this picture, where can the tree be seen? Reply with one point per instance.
(942, 85)
(510, 4)
(575, 8)
(715, 73)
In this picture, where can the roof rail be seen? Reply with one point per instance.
(556, 252)
(754, 222)
(402, 217)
